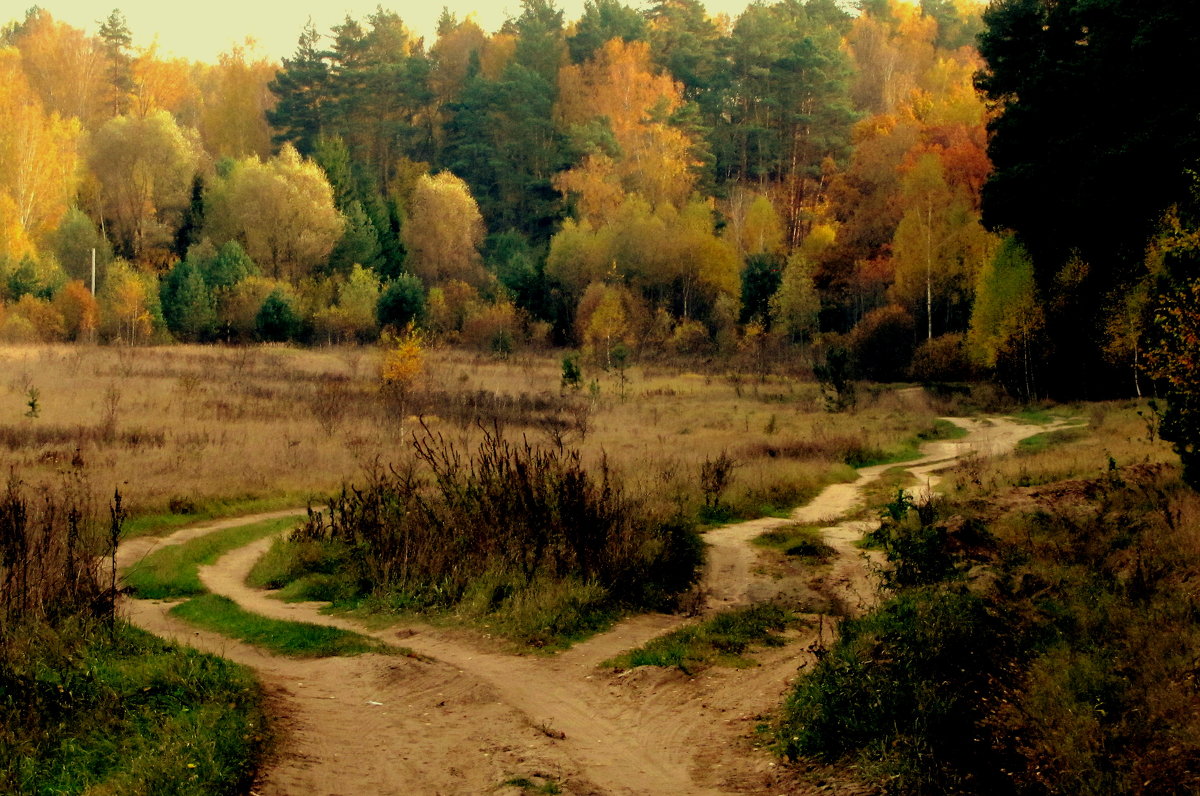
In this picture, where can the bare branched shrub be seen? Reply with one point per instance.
(715, 477)
(328, 404)
(51, 549)
(506, 514)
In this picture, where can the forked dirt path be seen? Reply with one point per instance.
(467, 716)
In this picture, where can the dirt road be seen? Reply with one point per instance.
(466, 716)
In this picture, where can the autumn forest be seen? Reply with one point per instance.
(661, 181)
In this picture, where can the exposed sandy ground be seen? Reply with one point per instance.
(466, 715)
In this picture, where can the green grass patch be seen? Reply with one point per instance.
(722, 640)
(533, 785)
(800, 541)
(293, 639)
(89, 711)
(173, 571)
(884, 489)
(910, 449)
(189, 513)
(942, 429)
(1049, 439)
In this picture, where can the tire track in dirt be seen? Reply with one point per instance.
(467, 716)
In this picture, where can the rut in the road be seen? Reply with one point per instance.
(467, 717)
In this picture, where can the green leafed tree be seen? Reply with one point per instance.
(1007, 321)
(1090, 142)
(796, 306)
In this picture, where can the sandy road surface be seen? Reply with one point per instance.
(467, 716)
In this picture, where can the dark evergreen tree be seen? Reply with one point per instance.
(187, 304)
(760, 280)
(602, 21)
(191, 227)
(1092, 143)
(117, 40)
(303, 88)
(792, 109)
(502, 141)
(401, 302)
(276, 321)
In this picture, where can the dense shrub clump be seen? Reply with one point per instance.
(1051, 649)
(510, 530)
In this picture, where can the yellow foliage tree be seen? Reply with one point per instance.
(755, 226)
(38, 162)
(652, 157)
(144, 167)
(66, 68)
(444, 231)
(281, 212)
(126, 310)
(161, 84)
(403, 361)
(233, 121)
(603, 322)
(79, 310)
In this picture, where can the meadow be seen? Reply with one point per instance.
(190, 432)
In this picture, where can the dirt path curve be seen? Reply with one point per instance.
(467, 716)
(731, 579)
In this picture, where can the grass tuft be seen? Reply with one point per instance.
(800, 541)
(722, 640)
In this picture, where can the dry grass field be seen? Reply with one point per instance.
(201, 429)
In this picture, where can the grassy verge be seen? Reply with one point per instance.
(800, 541)
(722, 640)
(162, 523)
(1048, 439)
(1043, 415)
(126, 713)
(174, 571)
(294, 639)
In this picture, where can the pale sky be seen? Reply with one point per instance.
(202, 30)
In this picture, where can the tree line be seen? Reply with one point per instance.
(940, 188)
